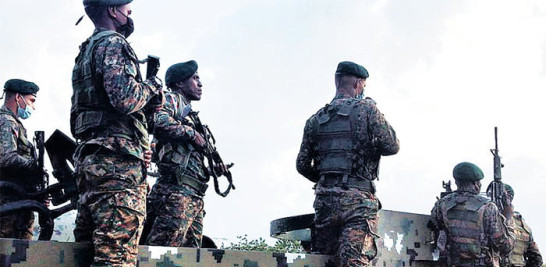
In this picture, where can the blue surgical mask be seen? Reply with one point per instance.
(24, 113)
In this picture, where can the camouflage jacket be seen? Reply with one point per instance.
(115, 72)
(495, 237)
(525, 252)
(174, 132)
(18, 162)
(372, 137)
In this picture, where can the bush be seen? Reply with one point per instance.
(281, 245)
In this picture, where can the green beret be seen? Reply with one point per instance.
(466, 171)
(350, 68)
(106, 2)
(510, 190)
(180, 72)
(21, 86)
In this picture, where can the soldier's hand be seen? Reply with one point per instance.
(148, 156)
(199, 140)
(157, 102)
(47, 201)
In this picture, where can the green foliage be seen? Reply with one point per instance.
(284, 246)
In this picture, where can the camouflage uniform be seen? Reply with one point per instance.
(472, 230)
(108, 118)
(175, 210)
(341, 147)
(18, 165)
(525, 252)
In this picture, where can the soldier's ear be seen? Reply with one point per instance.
(111, 11)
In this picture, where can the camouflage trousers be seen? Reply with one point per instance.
(175, 217)
(111, 207)
(345, 225)
(17, 225)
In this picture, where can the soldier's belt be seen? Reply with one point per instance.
(342, 180)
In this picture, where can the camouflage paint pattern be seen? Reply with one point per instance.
(19, 253)
(525, 252)
(17, 162)
(345, 225)
(176, 217)
(497, 236)
(346, 219)
(111, 207)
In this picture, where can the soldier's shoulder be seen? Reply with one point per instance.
(7, 119)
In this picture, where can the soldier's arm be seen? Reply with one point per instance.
(384, 136)
(533, 258)
(304, 162)
(532, 255)
(499, 230)
(168, 125)
(119, 71)
(9, 158)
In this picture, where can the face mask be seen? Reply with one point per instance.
(127, 28)
(24, 113)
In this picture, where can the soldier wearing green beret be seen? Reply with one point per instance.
(175, 205)
(340, 151)
(110, 104)
(18, 161)
(470, 230)
(525, 252)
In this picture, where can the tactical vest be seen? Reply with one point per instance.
(523, 238)
(336, 139)
(466, 243)
(25, 149)
(179, 162)
(91, 113)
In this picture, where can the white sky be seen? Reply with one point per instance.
(444, 73)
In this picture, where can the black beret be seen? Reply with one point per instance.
(180, 72)
(106, 2)
(466, 171)
(350, 68)
(21, 86)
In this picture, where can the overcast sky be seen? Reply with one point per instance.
(444, 73)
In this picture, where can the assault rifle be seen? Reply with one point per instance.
(495, 190)
(213, 157)
(44, 177)
(60, 149)
(447, 188)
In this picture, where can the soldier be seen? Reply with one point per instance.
(18, 161)
(109, 102)
(471, 230)
(340, 151)
(525, 252)
(175, 209)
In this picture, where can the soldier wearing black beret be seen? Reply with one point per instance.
(333, 155)
(18, 162)
(183, 179)
(469, 228)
